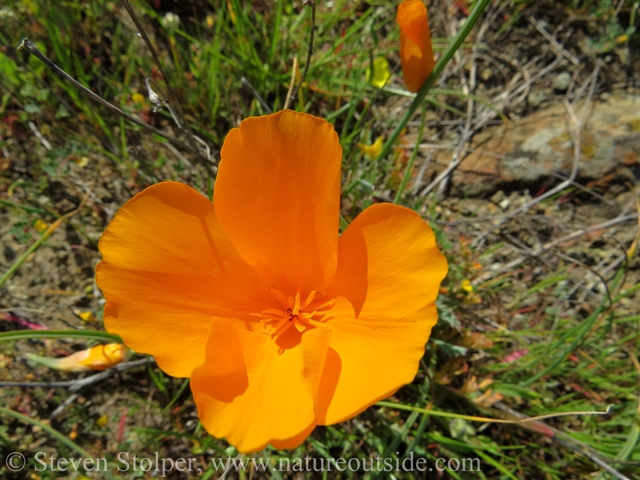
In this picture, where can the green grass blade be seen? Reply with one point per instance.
(54, 433)
(414, 154)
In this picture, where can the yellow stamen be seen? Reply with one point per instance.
(281, 297)
(293, 313)
(310, 298)
(296, 308)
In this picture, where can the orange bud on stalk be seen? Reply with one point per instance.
(96, 358)
(416, 52)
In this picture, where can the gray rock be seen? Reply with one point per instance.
(529, 151)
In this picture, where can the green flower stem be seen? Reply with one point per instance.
(30, 334)
(414, 154)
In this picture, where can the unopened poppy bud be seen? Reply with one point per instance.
(416, 52)
(96, 358)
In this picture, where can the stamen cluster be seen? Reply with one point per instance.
(303, 315)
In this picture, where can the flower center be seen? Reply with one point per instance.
(293, 313)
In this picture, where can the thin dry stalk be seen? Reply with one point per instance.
(182, 123)
(30, 47)
(292, 84)
(312, 4)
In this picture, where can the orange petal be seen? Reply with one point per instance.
(168, 269)
(277, 197)
(416, 52)
(389, 265)
(253, 393)
(389, 273)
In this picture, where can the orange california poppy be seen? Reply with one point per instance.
(416, 53)
(280, 324)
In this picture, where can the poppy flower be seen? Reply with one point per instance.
(373, 150)
(280, 324)
(416, 53)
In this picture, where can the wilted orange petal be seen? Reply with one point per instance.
(277, 197)
(416, 52)
(253, 393)
(389, 273)
(168, 269)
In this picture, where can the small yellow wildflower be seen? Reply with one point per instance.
(40, 225)
(102, 421)
(466, 286)
(622, 38)
(87, 316)
(137, 98)
(373, 150)
(83, 161)
(381, 72)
